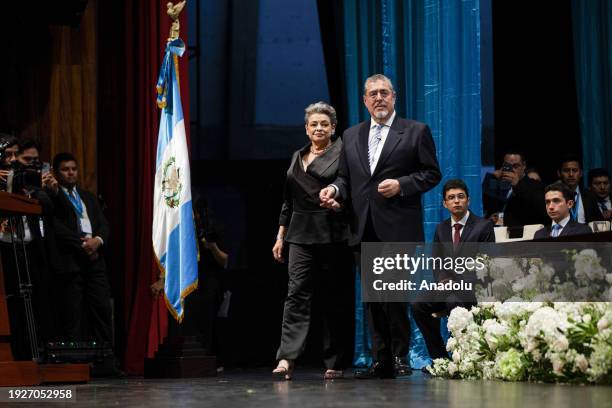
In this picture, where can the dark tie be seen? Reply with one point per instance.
(456, 235)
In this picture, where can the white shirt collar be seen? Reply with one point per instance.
(462, 221)
(388, 123)
(563, 222)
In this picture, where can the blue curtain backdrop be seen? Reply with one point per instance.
(592, 26)
(431, 51)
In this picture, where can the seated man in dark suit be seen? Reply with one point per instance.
(510, 193)
(559, 202)
(462, 226)
(599, 187)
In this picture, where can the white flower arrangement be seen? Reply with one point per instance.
(535, 341)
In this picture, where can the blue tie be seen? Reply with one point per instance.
(373, 144)
(555, 230)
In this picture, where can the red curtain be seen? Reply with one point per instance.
(147, 28)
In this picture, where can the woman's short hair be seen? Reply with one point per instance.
(323, 108)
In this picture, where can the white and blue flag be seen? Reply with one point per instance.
(174, 240)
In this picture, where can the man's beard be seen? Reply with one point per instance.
(381, 114)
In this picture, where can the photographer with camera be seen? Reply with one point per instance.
(25, 251)
(510, 197)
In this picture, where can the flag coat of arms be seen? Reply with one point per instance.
(174, 240)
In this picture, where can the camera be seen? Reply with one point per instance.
(507, 167)
(21, 176)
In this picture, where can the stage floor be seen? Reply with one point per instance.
(255, 388)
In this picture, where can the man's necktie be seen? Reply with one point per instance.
(555, 230)
(373, 143)
(457, 235)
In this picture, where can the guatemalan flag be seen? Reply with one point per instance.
(174, 240)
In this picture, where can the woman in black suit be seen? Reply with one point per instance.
(319, 259)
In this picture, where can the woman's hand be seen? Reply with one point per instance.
(277, 251)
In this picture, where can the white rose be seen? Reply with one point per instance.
(603, 324)
(451, 344)
(581, 362)
(560, 343)
(452, 368)
(557, 364)
(456, 357)
(586, 318)
(609, 278)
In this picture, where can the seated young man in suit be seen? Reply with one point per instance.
(559, 203)
(599, 187)
(462, 226)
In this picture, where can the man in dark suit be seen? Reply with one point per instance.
(559, 203)
(599, 187)
(82, 232)
(509, 191)
(462, 226)
(585, 208)
(387, 162)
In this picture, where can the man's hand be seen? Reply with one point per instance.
(389, 188)
(277, 251)
(90, 245)
(510, 176)
(3, 175)
(49, 182)
(325, 195)
(607, 215)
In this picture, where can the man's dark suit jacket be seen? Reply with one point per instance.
(476, 229)
(526, 205)
(67, 231)
(408, 155)
(571, 228)
(591, 207)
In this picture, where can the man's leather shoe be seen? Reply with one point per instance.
(376, 370)
(401, 367)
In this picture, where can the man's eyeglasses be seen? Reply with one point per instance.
(384, 93)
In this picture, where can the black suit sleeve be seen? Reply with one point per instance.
(342, 181)
(488, 233)
(530, 194)
(96, 215)
(428, 175)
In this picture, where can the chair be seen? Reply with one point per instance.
(599, 226)
(501, 233)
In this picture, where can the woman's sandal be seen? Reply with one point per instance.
(284, 369)
(333, 374)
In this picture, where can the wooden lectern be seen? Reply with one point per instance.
(27, 373)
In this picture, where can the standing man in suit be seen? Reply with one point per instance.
(559, 203)
(386, 163)
(585, 208)
(462, 226)
(81, 232)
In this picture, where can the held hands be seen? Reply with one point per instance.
(326, 196)
(389, 188)
(90, 246)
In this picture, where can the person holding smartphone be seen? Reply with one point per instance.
(509, 191)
